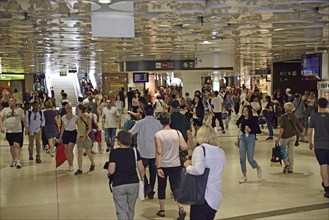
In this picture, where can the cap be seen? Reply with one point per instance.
(175, 104)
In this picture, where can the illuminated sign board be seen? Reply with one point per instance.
(8, 77)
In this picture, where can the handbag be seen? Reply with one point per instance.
(141, 195)
(182, 153)
(276, 156)
(192, 188)
(60, 155)
(224, 115)
(98, 136)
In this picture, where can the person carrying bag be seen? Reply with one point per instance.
(206, 158)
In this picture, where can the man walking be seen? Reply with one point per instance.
(320, 123)
(217, 105)
(35, 121)
(111, 121)
(11, 123)
(145, 130)
(130, 96)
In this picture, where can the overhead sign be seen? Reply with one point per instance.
(9, 77)
(63, 73)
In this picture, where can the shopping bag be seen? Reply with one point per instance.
(98, 136)
(276, 156)
(60, 155)
(284, 153)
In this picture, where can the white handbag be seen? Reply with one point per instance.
(141, 195)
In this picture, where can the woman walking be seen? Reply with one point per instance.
(268, 113)
(122, 170)
(290, 127)
(51, 128)
(68, 135)
(84, 141)
(212, 157)
(228, 106)
(198, 113)
(249, 127)
(168, 142)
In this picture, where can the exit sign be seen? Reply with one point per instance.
(63, 73)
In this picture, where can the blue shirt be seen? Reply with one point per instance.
(145, 130)
(35, 122)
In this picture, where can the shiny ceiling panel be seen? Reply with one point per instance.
(40, 34)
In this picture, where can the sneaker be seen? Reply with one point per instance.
(243, 180)
(38, 159)
(223, 132)
(13, 163)
(107, 149)
(269, 138)
(259, 172)
(92, 168)
(78, 172)
(52, 154)
(70, 169)
(18, 164)
(31, 157)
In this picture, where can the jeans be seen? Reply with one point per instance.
(152, 171)
(202, 212)
(269, 125)
(174, 175)
(125, 197)
(110, 137)
(218, 116)
(247, 147)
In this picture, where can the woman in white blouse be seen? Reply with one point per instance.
(168, 142)
(215, 160)
(68, 134)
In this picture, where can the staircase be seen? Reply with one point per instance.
(68, 84)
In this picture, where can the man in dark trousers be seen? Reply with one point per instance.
(320, 123)
(130, 96)
(122, 97)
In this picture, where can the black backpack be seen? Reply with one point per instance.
(29, 114)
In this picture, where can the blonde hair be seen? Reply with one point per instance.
(49, 104)
(288, 106)
(207, 135)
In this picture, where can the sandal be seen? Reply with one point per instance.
(181, 214)
(161, 213)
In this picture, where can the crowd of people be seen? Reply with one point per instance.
(161, 128)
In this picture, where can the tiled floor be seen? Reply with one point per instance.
(39, 191)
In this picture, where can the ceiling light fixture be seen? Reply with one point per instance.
(105, 1)
(205, 42)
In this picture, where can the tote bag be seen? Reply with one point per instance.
(141, 195)
(192, 188)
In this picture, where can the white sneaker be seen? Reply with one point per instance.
(18, 164)
(70, 169)
(13, 163)
(243, 180)
(52, 154)
(259, 172)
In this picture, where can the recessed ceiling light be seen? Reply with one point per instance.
(104, 1)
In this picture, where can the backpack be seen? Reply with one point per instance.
(29, 115)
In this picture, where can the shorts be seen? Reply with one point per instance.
(69, 137)
(14, 137)
(322, 155)
(87, 143)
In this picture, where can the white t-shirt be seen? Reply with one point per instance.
(12, 119)
(159, 105)
(110, 117)
(70, 125)
(170, 147)
(217, 102)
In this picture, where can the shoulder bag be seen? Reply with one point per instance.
(192, 188)
(182, 153)
(141, 195)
